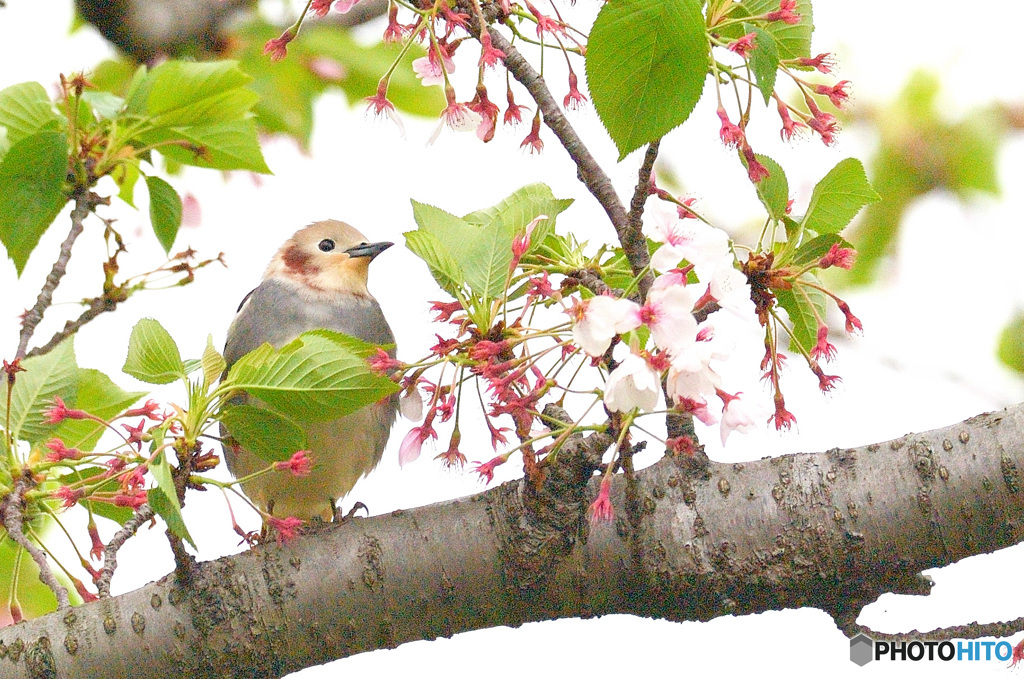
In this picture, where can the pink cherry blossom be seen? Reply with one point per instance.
(601, 318)
(429, 69)
(633, 384)
(687, 239)
(669, 314)
(737, 414)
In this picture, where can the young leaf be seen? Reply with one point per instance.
(764, 60)
(817, 248)
(153, 356)
(802, 314)
(99, 396)
(164, 211)
(313, 378)
(212, 362)
(520, 208)
(838, 197)
(190, 93)
(164, 498)
(230, 145)
(773, 190)
(32, 178)
(443, 268)
(269, 435)
(1011, 344)
(646, 64)
(26, 109)
(52, 374)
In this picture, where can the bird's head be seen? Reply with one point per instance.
(326, 257)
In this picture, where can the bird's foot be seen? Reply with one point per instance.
(342, 518)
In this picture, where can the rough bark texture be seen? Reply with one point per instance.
(831, 530)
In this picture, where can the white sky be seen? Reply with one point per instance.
(926, 360)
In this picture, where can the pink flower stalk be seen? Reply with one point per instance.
(785, 13)
(837, 93)
(533, 140)
(284, 529)
(826, 383)
(842, 257)
(782, 417)
(297, 465)
(486, 469)
(601, 510)
(824, 62)
(68, 495)
(730, 133)
(743, 46)
(755, 170)
(633, 384)
(412, 444)
(148, 410)
(380, 106)
(514, 112)
(489, 54)
(823, 349)
(737, 415)
(277, 49)
(59, 451)
(59, 412)
(134, 500)
(488, 112)
(789, 126)
(853, 323)
(575, 99)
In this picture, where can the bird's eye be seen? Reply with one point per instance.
(326, 245)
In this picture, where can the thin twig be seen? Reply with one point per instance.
(130, 527)
(11, 508)
(972, 630)
(590, 173)
(84, 204)
(96, 306)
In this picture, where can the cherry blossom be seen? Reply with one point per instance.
(687, 239)
(633, 384)
(601, 318)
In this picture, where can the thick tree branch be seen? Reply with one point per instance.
(831, 530)
(12, 512)
(589, 171)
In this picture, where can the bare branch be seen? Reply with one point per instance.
(85, 204)
(643, 189)
(130, 527)
(96, 306)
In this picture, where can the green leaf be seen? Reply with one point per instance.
(52, 374)
(153, 356)
(314, 378)
(32, 176)
(791, 40)
(97, 395)
(105, 104)
(164, 211)
(802, 313)
(26, 109)
(183, 92)
(1011, 344)
(442, 267)
(773, 190)
(230, 145)
(212, 362)
(646, 64)
(125, 175)
(838, 197)
(817, 248)
(164, 498)
(764, 60)
(269, 435)
(522, 207)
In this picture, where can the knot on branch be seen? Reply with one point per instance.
(540, 523)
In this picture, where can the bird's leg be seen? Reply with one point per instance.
(339, 518)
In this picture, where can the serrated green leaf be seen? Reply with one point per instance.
(817, 248)
(212, 362)
(52, 374)
(153, 356)
(838, 197)
(164, 211)
(646, 64)
(178, 86)
(26, 109)
(792, 41)
(32, 176)
(1011, 344)
(442, 267)
(231, 145)
(773, 190)
(269, 435)
(522, 207)
(313, 378)
(97, 395)
(164, 498)
(802, 314)
(764, 60)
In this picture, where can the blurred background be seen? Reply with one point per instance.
(936, 115)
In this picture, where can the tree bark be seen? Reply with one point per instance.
(831, 530)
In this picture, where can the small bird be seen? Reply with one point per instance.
(316, 280)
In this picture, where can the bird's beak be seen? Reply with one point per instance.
(370, 250)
